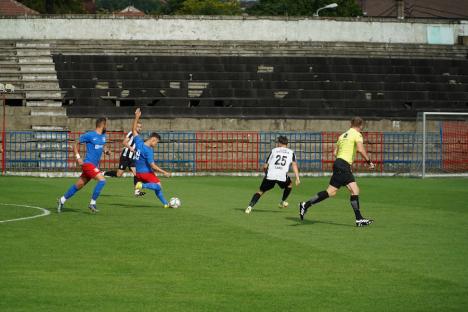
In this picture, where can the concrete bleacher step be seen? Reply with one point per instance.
(33, 45)
(41, 85)
(246, 48)
(44, 95)
(34, 60)
(48, 111)
(46, 103)
(38, 68)
(40, 77)
(48, 128)
(30, 103)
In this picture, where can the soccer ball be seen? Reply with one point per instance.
(174, 202)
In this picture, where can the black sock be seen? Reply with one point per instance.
(254, 199)
(316, 199)
(112, 173)
(354, 199)
(287, 191)
(135, 180)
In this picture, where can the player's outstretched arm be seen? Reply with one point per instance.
(135, 121)
(361, 150)
(296, 172)
(76, 150)
(158, 169)
(125, 144)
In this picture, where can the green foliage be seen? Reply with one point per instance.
(210, 7)
(55, 6)
(172, 6)
(304, 8)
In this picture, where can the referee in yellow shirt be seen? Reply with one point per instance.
(346, 147)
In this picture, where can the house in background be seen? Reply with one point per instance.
(14, 8)
(456, 9)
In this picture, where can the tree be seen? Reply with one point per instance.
(55, 6)
(172, 6)
(210, 7)
(304, 8)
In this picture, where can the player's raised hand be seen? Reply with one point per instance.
(138, 113)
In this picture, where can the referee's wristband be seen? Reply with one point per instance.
(77, 156)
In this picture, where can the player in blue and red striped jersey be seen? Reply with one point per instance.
(95, 141)
(145, 166)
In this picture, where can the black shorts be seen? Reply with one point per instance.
(269, 184)
(342, 174)
(126, 162)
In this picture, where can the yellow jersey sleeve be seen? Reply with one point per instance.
(347, 145)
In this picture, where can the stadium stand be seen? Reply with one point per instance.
(237, 79)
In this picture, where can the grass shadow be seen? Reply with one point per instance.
(132, 205)
(310, 222)
(263, 211)
(73, 210)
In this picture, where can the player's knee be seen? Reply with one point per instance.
(331, 193)
(260, 193)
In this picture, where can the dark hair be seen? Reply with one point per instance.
(100, 121)
(357, 122)
(155, 135)
(282, 140)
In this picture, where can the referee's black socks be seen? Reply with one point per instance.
(354, 199)
(254, 199)
(316, 199)
(287, 191)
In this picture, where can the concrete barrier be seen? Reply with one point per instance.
(231, 28)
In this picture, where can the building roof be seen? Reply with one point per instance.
(417, 8)
(14, 8)
(130, 11)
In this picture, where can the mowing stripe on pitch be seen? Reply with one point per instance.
(44, 213)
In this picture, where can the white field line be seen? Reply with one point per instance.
(44, 213)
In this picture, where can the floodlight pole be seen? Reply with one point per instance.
(3, 133)
(424, 147)
(329, 6)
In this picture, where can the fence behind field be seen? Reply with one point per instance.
(213, 151)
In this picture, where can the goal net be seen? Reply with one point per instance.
(440, 145)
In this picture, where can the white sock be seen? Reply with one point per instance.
(63, 200)
(92, 202)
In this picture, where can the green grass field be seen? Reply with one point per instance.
(210, 256)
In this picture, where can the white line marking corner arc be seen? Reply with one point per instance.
(44, 213)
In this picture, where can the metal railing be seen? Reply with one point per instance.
(211, 151)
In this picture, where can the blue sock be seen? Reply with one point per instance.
(71, 191)
(98, 188)
(160, 195)
(152, 186)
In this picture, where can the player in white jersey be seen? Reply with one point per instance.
(127, 160)
(276, 170)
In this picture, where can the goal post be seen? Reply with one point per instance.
(441, 145)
